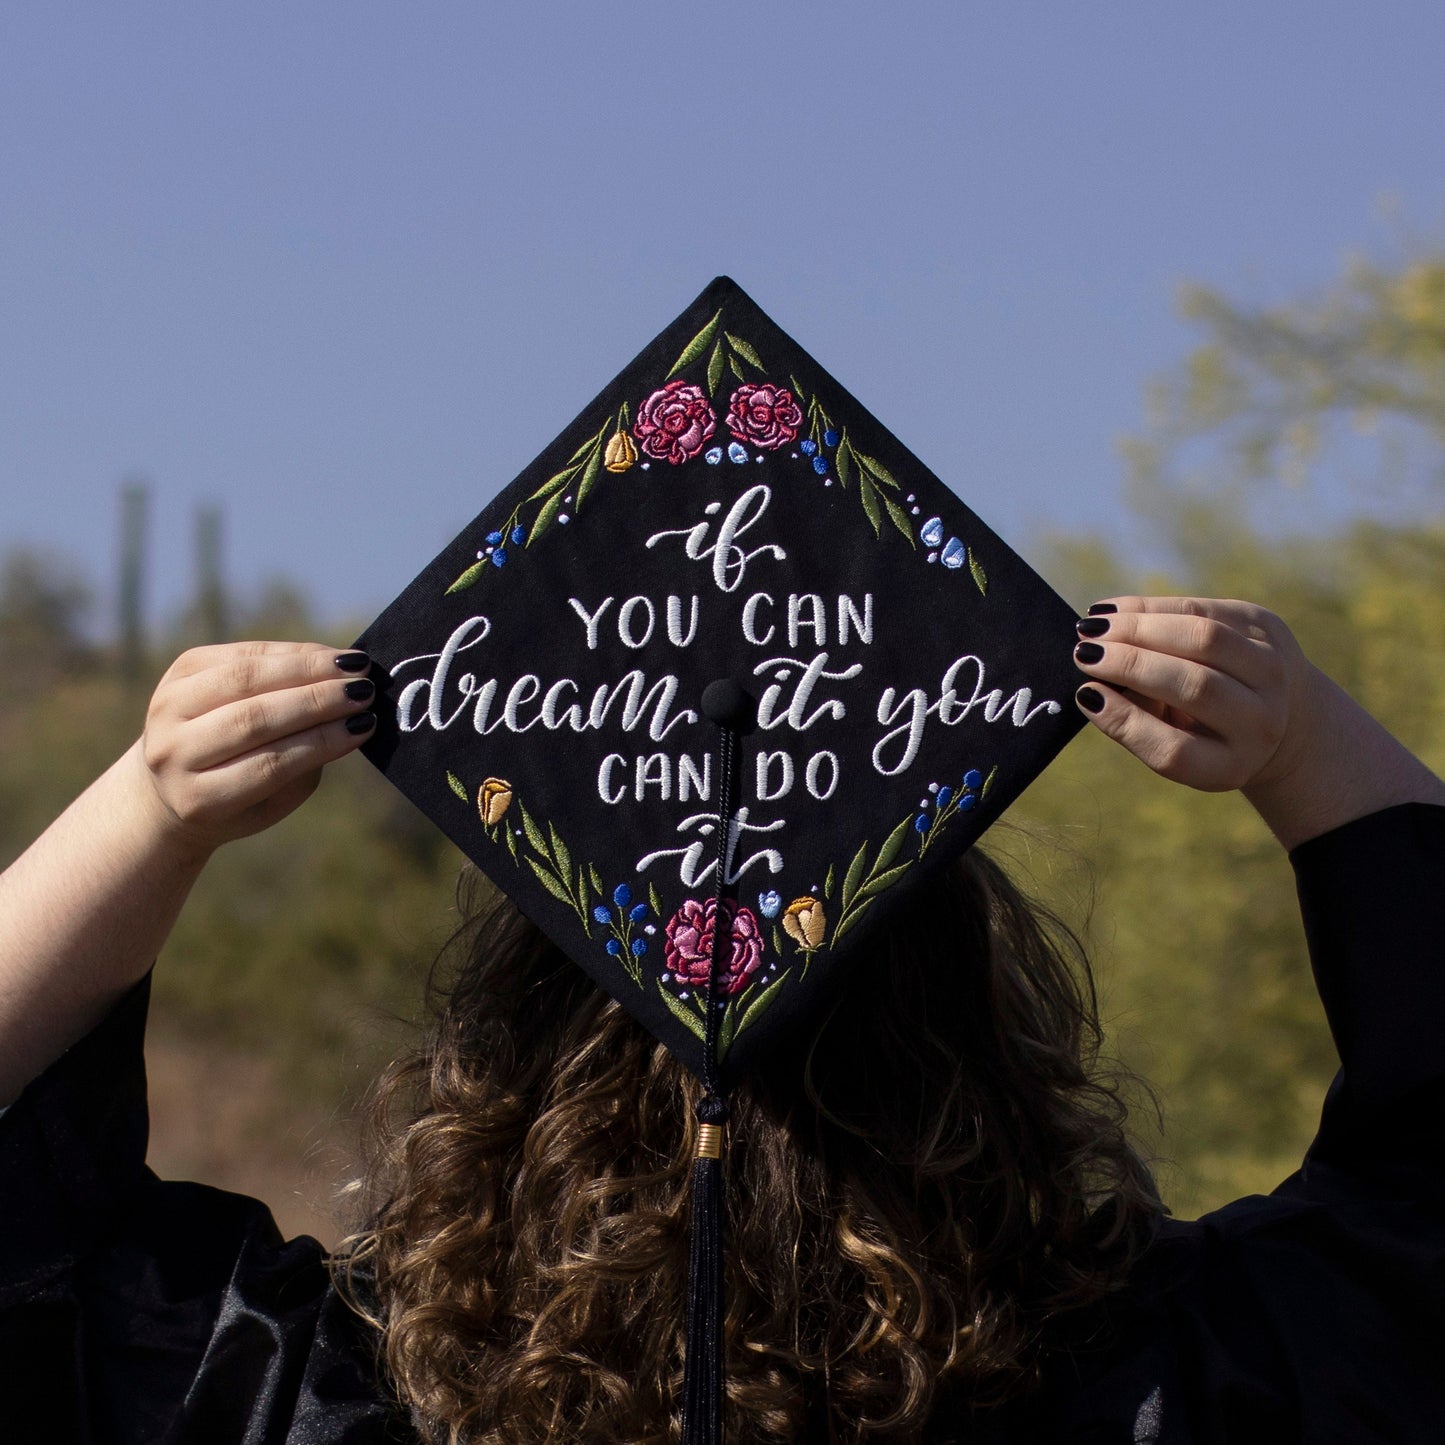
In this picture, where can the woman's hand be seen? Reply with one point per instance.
(1218, 695)
(236, 735)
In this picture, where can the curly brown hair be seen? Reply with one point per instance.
(918, 1196)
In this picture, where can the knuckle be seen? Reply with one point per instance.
(1196, 686)
(253, 718)
(1206, 638)
(241, 675)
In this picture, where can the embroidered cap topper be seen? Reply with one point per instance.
(724, 512)
(706, 689)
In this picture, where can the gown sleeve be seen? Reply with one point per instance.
(134, 1309)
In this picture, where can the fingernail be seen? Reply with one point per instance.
(353, 662)
(1093, 626)
(361, 722)
(1099, 607)
(1090, 699)
(1089, 653)
(362, 690)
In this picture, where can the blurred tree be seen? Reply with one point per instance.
(44, 602)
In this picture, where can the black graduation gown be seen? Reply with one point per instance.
(133, 1309)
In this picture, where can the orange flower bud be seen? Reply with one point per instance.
(805, 922)
(494, 797)
(620, 453)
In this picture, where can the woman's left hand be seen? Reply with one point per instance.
(1201, 691)
(1218, 695)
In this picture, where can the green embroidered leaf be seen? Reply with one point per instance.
(557, 482)
(680, 1011)
(581, 890)
(980, 577)
(714, 367)
(777, 939)
(869, 495)
(596, 879)
(467, 578)
(877, 469)
(744, 350)
(845, 464)
(850, 919)
(589, 478)
(696, 347)
(457, 786)
(883, 881)
(549, 881)
(511, 843)
(727, 1028)
(798, 393)
(891, 844)
(533, 832)
(560, 853)
(854, 875)
(899, 518)
(653, 899)
(988, 781)
(585, 447)
(828, 883)
(546, 516)
(737, 370)
(762, 1003)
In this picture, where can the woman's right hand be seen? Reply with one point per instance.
(237, 734)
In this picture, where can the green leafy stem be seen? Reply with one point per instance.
(945, 815)
(741, 1012)
(723, 351)
(551, 496)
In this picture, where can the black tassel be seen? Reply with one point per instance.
(702, 1383)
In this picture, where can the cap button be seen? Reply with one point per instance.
(728, 705)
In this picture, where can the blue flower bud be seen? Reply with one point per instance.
(973, 779)
(519, 535)
(494, 539)
(922, 822)
(613, 947)
(808, 447)
(639, 947)
(944, 794)
(622, 895)
(601, 914)
(639, 912)
(820, 465)
(966, 802)
(499, 557)
(830, 438)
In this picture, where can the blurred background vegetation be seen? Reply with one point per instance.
(298, 964)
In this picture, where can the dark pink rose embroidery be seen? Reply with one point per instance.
(765, 416)
(689, 944)
(674, 424)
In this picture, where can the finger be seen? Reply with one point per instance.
(1246, 617)
(253, 777)
(1217, 701)
(1206, 640)
(240, 727)
(1195, 759)
(250, 669)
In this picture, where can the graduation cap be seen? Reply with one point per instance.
(708, 690)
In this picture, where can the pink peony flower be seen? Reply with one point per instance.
(765, 416)
(674, 424)
(689, 945)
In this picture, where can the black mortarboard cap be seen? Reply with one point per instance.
(724, 591)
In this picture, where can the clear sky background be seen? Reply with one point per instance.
(345, 268)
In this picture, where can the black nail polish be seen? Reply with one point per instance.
(353, 662)
(1093, 626)
(1090, 699)
(361, 722)
(1089, 653)
(1099, 607)
(362, 690)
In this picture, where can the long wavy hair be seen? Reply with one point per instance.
(922, 1196)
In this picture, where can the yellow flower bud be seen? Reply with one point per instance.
(494, 797)
(805, 922)
(620, 453)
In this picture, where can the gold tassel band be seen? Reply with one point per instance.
(709, 1141)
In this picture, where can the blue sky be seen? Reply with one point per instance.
(344, 269)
